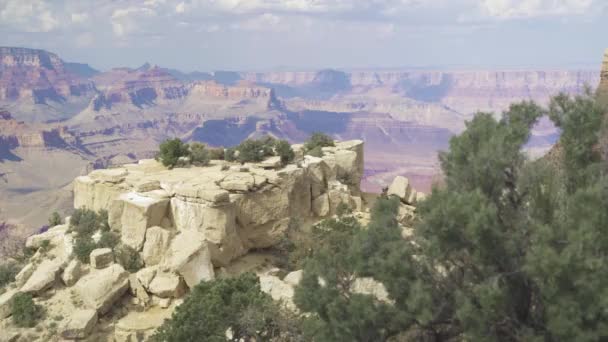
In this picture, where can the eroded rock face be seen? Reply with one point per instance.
(43, 277)
(189, 256)
(101, 288)
(234, 209)
(79, 324)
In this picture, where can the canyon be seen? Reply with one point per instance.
(61, 120)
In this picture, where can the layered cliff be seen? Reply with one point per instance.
(37, 77)
(187, 225)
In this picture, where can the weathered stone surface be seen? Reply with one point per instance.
(147, 185)
(238, 182)
(145, 275)
(370, 286)
(25, 273)
(271, 162)
(80, 324)
(52, 235)
(133, 213)
(411, 199)
(420, 196)
(156, 244)
(43, 277)
(138, 290)
(189, 256)
(140, 326)
(101, 258)
(6, 300)
(109, 175)
(208, 193)
(101, 288)
(278, 290)
(293, 278)
(216, 223)
(318, 172)
(93, 194)
(320, 205)
(166, 285)
(401, 188)
(406, 214)
(72, 273)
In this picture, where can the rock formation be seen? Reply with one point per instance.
(602, 90)
(188, 225)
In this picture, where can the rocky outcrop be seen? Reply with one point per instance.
(79, 324)
(232, 210)
(101, 288)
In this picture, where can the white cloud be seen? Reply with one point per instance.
(79, 18)
(28, 15)
(180, 8)
(85, 39)
(127, 20)
(535, 8)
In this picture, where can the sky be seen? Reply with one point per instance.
(208, 35)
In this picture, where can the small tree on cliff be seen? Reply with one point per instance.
(507, 250)
(170, 151)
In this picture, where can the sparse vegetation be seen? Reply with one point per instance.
(315, 152)
(128, 258)
(170, 152)
(25, 312)
(85, 223)
(8, 272)
(283, 149)
(216, 153)
(199, 154)
(251, 150)
(318, 139)
(238, 304)
(55, 219)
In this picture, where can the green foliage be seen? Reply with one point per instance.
(343, 209)
(283, 149)
(199, 154)
(85, 223)
(171, 150)
(316, 152)
(24, 311)
(216, 153)
(251, 150)
(215, 306)
(230, 154)
(318, 140)
(108, 240)
(7, 273)
(55, 219)
(507, 250)
(128, 258)
(83, 246)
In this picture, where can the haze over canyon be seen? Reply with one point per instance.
(59, 120)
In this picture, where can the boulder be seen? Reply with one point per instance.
(318, 172)
(278, 290)
(216, 223)
(411, 199)
(138, 290)
(406, 214)
(238, 182)
(101, 288)
(166, 285)
(271, 163)
(101, 258)
(72, 273)
(6, 301)
(79, 325)
(293, 278)
(420, 196)
(147, 185)
(25, 273)
(189, 256)
(43, 277)
(52, 235)
(140, 326)
(320, 205)
(156, 244)
(133, 213)
(372, 287)
(146, 275)
(401, 188)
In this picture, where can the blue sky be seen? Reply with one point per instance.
(310, 34)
